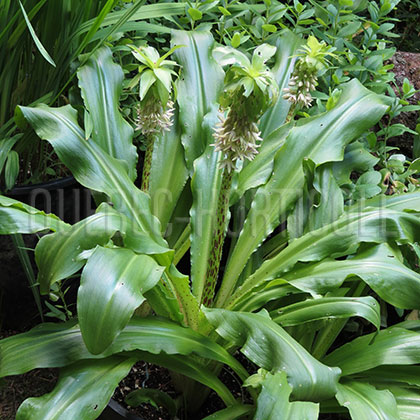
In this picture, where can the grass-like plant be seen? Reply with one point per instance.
(280, 290)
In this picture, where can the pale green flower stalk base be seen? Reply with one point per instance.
(218, 237)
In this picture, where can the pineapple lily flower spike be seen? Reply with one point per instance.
(156, 91)
(249, 90)
(311, 60)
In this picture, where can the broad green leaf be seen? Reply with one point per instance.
(337, 239)
(270, 347)
(57, 345)
(376, 265)
(111, 288)
(356, 158)
(396, 375)
(100, 81)
(393, 346)
(274, 399)
(198, 89)
(58, 255)
(168, 173)
(365, 402)
(82, 392)
(328, 307)
(17, 217)
(398, 202)
(93, 168)
(205, 186)
(321, 139)
(408, 402)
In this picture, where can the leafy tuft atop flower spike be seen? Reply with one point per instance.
(155, 110)
(249, 90)
(304, 80)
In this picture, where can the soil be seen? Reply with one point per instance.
(407, 65)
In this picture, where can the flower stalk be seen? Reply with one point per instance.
(250, 89)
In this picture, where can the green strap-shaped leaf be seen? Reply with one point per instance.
(395, 375)
(57, 345)
(393, 346)
(408, 402)
(205, 185)
(198, 89)
(321, 139)
(376, 265)
(328, 307)
(111, 288)
(270, 347)
(274, 399)
(399, 202)
(234, 412)
(189, 367)
(337, 239)
(5, 147)
(365, 402)
(93, 168)
(100, 81)
(58, 255)
(168, 173)
(82, 392)
(287, 45)
(17, 217)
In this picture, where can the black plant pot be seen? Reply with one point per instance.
(64, 197)
(115, 411)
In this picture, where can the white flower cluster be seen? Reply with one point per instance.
(237, 138)
(152, 118)
(301, 84)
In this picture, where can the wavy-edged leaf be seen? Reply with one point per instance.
(328, 307)
(111, 288)
(17, 217)
(100, 81)
(82, 392)
(274, 399)
(270, 347)
(376, 265)
(365, 402)
(58, 255)
(168, 173)
(93, 168)
(198, 89)
(393, 346)
(321, 139)
(356, 158)
(57, 345)
(337, 239)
